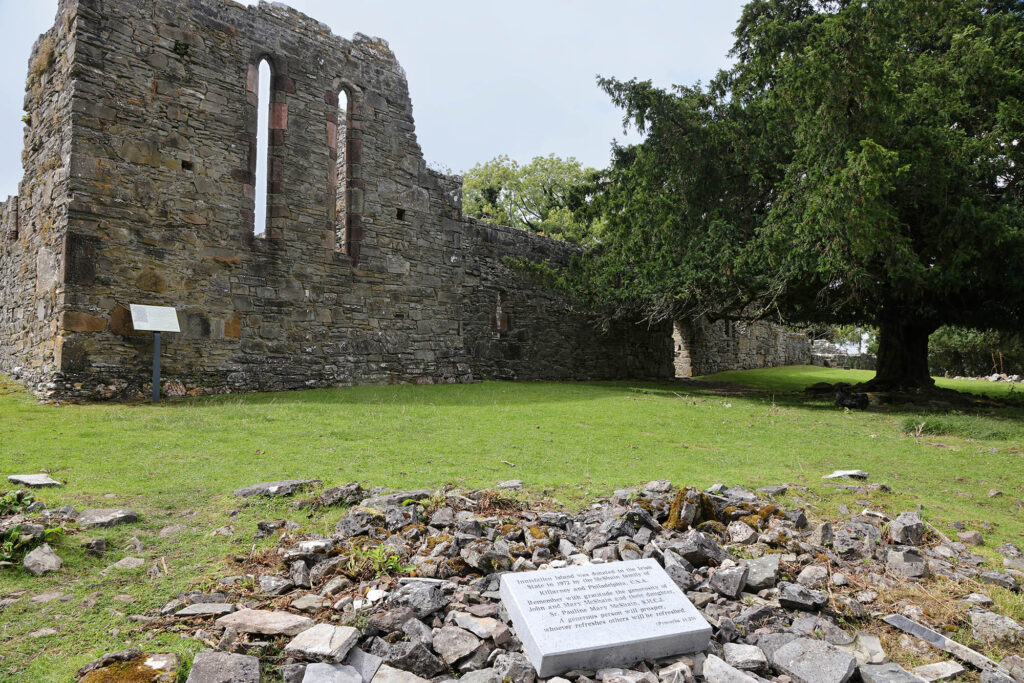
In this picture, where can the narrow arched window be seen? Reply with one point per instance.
(340, 171)
(262, 148)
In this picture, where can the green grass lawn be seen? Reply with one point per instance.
(178, 463)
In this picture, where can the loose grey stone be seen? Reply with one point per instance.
(847, 474)
(995, 676)
(773, 491)
(205, 609)
(422, 598)
(729, 582)
(482, 627)
(414, 657)
(125, 563)
(275, 488)
(266, 622)
(106, 517)
(742, 533)
(762, 572)
(293, 673)
(1014, 664)
(454, 643)
(387, 500)
(304, 549)
(1001, 579)
(210, 666)
(938, 671)
(970, 537)
(867, 648)
(42, 560)
(886, 673)
(346, 494)
(813, 576)
(935, 639)
(814, 661)
(822, 535)
(324, 641)
(795, 596)
(418, 632)
(275, 585)
(488, 675)
(331, 673)
(823, 628)
(363, 662)
(33, 480)
(700, 550)
(907, 563)
(907, 529)
(389, 674)
(995, 628)
(311, 603)
(515, 667)
(745, 657)
(718, 671)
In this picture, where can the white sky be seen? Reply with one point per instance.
(486, 78)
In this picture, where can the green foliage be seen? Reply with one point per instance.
(376, 562)
(14, 545)
(858, 165)
(13, 502)
(549, 196)
(964, 351)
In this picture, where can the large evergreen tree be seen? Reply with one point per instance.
(861, 163)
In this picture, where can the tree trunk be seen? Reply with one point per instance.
(902, 361)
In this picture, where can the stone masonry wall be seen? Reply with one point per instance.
(33, 223)
(159, 132)
(704, 348)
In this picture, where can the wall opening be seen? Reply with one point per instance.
(340, 173)
(262, 148)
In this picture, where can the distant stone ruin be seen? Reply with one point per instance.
(141, 160)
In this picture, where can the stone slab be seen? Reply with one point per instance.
(275, 488)
(266, 622)
(209, 666)
(323, 641)
(33, 480)
(961, 652)
(206, 609)
(106, 517)
(596, 616)
(938, 671)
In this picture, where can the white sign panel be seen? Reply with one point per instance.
(154, 318)
(601, 615)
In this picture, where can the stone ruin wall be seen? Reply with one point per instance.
(703, 347)
(139, 188)
(34, 222)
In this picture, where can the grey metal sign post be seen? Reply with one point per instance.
(155, 319)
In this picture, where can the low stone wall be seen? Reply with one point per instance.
(704, 348)
(862, 361)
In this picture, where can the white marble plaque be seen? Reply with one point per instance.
(154, 318)
(601, 615)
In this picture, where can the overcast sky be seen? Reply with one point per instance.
(486, 78)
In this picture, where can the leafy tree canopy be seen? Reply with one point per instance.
(859, 164)
(549, 196)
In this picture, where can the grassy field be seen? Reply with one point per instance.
(177, 463)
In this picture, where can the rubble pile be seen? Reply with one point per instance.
(406, 590)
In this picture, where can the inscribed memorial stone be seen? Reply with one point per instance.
(601, 615)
